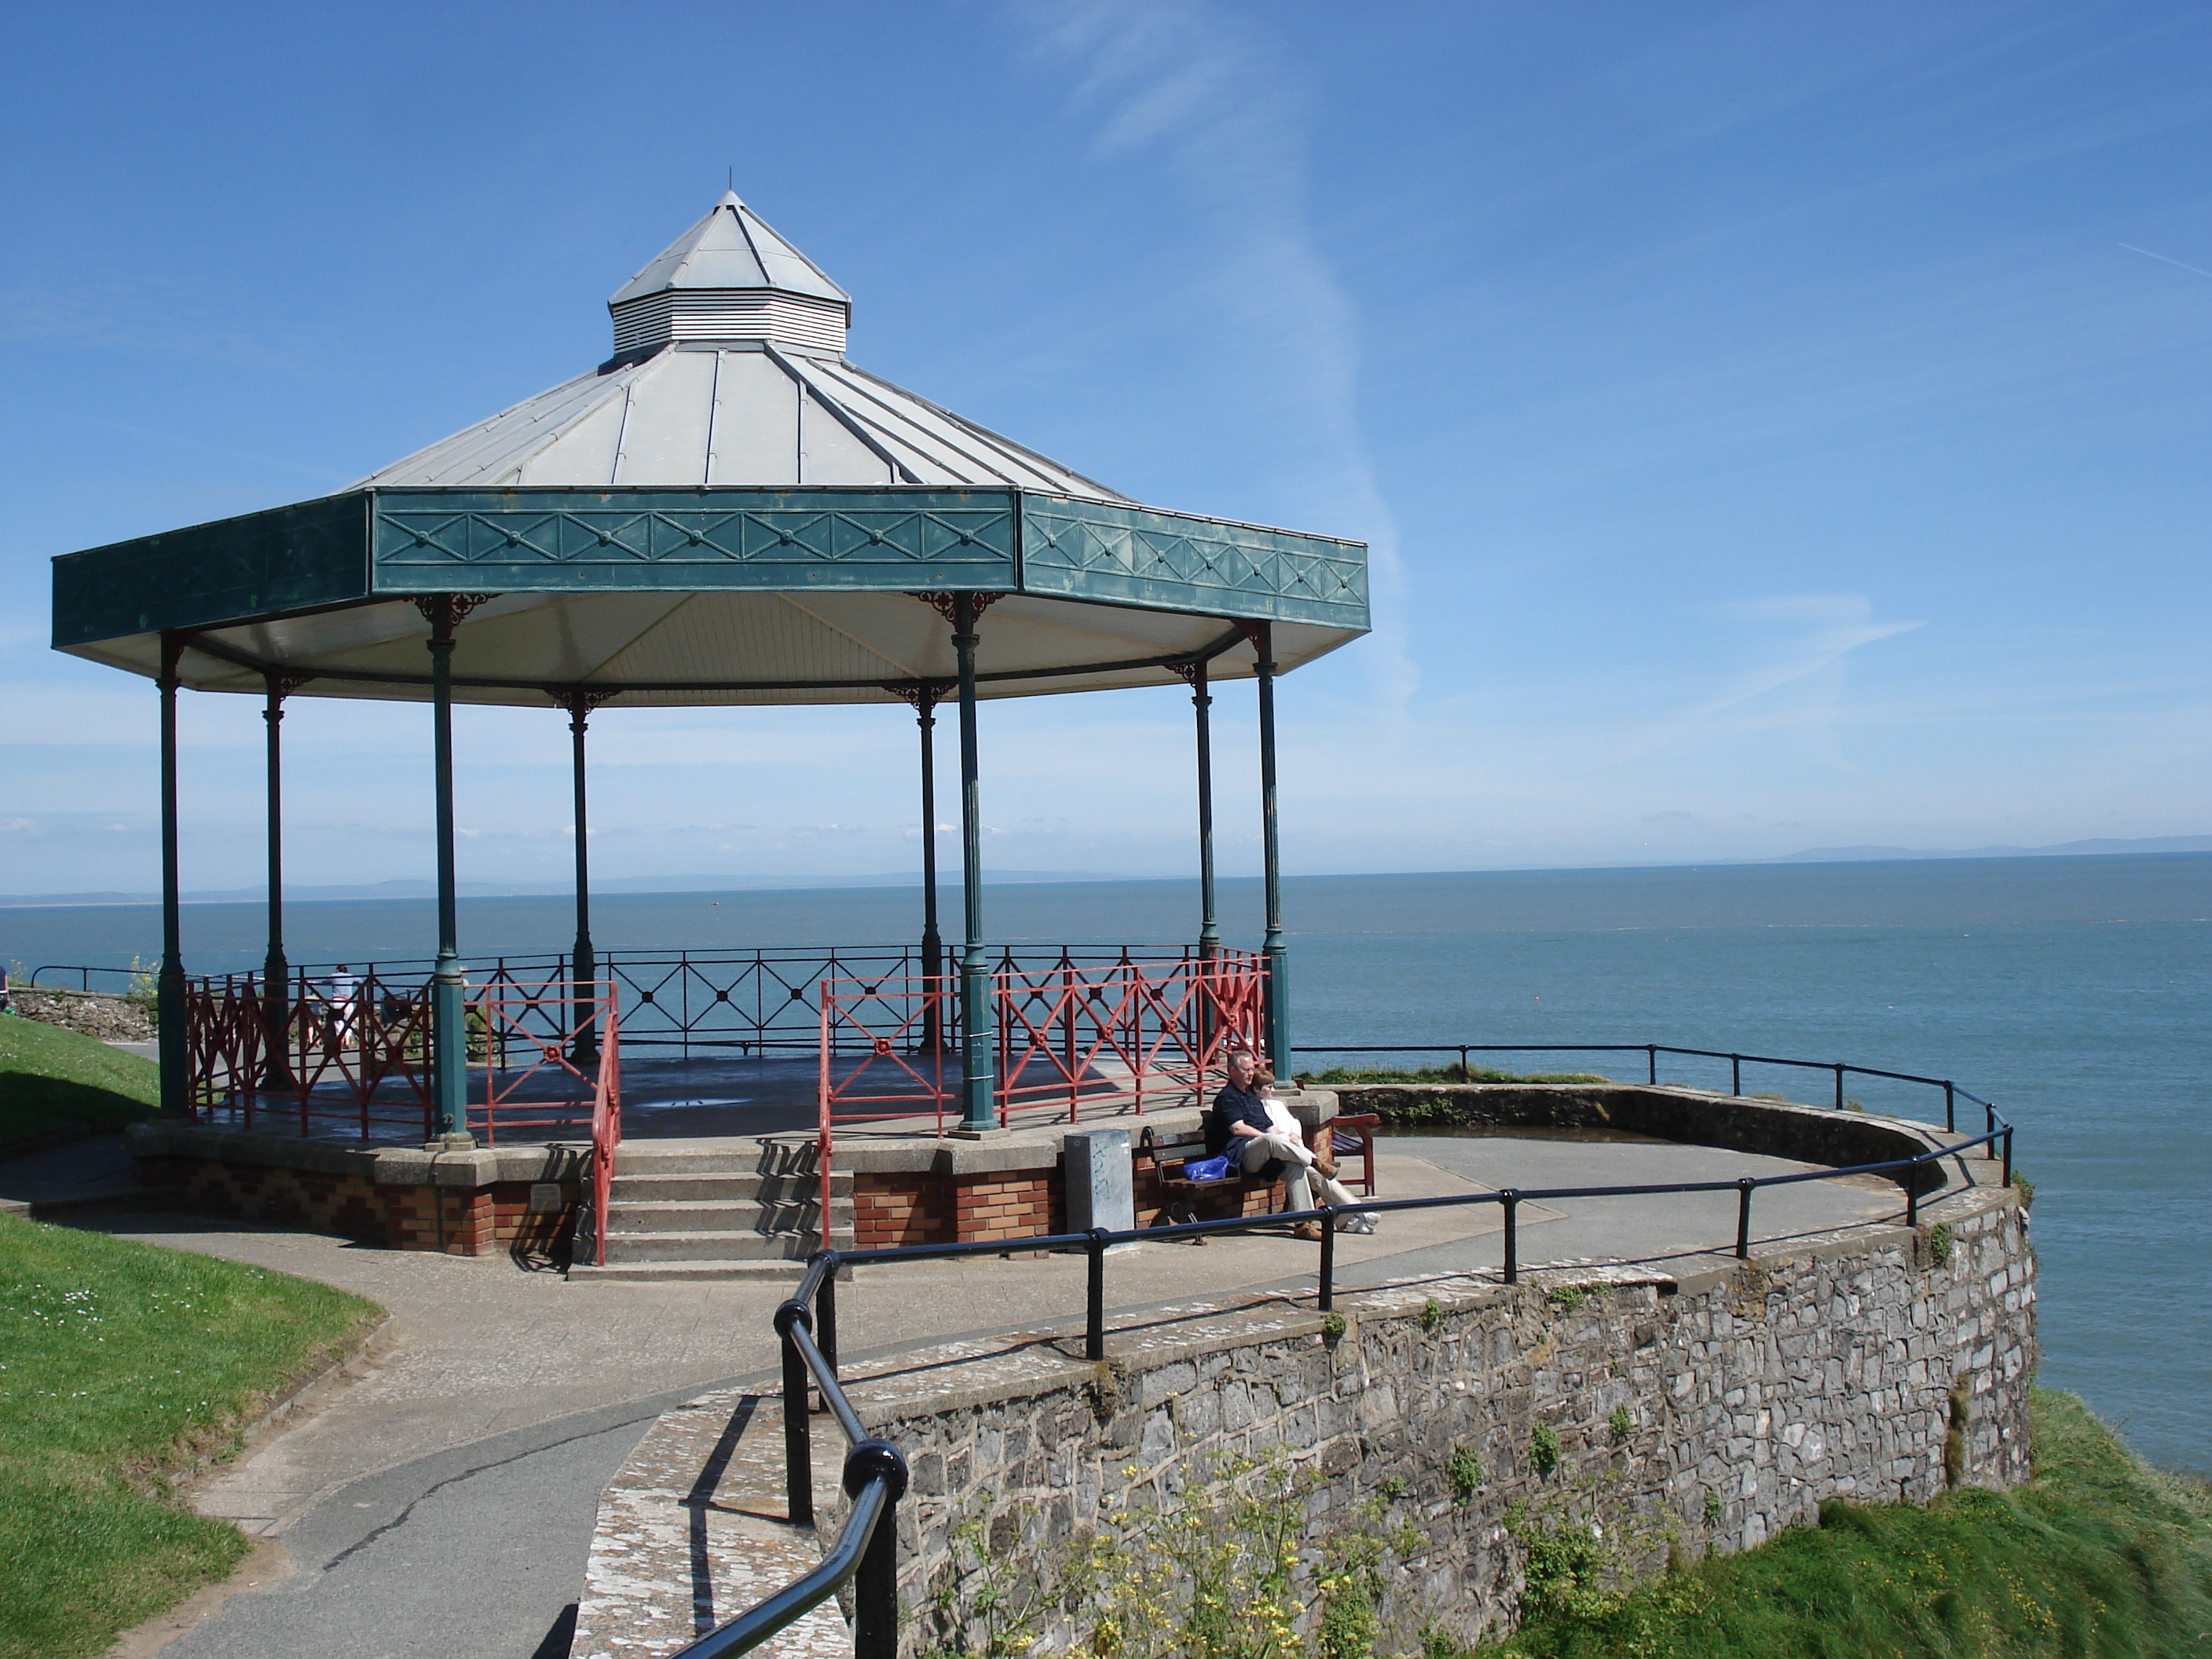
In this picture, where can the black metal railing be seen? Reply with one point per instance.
(875, 1472)
(128, 976)
(1652, 1051)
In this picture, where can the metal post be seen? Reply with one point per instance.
(1510, 1201)
(825, 1318)
(1209, 924)
(1950, 1110)
(1278, 952)
(932, 943)
(1735, 1075)
(584, 962)
(1324, 1293)
(1094, 1316)
(276, 972)
(1839, 1088)
(2008, 1155)
(977, 1079)
(1651, 1063)
(1743, 1218)
(798, 1432)
(448, 1020)
(875, 1585)
(1912, 1195)
(169, 987)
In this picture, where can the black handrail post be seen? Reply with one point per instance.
(825, 1315)
(1510, 1200)
(875, 1585)
(1465, 1075)
(1651, 1063)
(1839, 1088)
(1325, 1297)
(1912, 1196)
(1743, 1188)
(2008, 1155)
(1735, 1075)
(1094, 1310)
(1950, 1115)
(798, 1434)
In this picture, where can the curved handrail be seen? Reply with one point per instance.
(866, 1549)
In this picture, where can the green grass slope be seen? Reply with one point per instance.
(50, 1078)
(117, 1359)
(2098, 1556)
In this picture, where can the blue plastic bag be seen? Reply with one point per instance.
(1206, 1169)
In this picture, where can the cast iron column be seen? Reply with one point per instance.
(276, 972)
(932, 943)
(1209, 928)
(169, 987)
(584, 962)
(976, 1026)
(1279, 985)
(449, 1053)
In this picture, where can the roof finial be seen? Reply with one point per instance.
(732, 183)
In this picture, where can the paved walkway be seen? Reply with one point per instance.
(442, 1504)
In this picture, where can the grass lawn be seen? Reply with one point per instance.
(50, 1078)
(116, 1360)
(2097, 1556)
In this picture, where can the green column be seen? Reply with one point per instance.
(932, 942)
(1278, 952)
(977, 1028)
(449, 1052)
(1209, 926)
(169, 986)
(584, 962)
(276, 972)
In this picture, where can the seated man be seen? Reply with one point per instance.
(1239, 1125)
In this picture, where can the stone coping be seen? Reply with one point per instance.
(385, 1166)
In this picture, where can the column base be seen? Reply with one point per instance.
(463, 1142)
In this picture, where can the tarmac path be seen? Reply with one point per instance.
(442, 1506)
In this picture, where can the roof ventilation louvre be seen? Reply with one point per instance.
(731, 277)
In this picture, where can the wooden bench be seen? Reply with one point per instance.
(1170, 1151)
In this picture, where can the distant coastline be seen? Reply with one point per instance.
(710, 883)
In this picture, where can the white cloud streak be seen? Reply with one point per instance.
(1206, 91)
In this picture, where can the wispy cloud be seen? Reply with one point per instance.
(2147, 254)
(1207, 91)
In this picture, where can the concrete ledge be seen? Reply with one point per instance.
(385, 1166)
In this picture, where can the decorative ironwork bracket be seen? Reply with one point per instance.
(581, 701)
(946, 605)
(921, 695)
(462, 604)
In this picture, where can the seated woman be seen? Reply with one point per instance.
(1242, 1125)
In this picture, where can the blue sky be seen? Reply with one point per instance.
(1777, 426)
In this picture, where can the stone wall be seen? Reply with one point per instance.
(1856, 1366)
(521, 1199)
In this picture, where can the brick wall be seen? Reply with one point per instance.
(457, 1220)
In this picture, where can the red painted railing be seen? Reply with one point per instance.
(1071, 1037)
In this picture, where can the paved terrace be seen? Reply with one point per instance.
(442, 1504)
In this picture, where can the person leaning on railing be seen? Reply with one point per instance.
(1240, 1127)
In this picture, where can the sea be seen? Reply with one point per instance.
(2073, 990)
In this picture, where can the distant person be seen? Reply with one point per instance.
(1241, 1126)
(344, 989)
(6, 1003)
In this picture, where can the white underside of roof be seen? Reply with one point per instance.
(730, 413)
(714, 644)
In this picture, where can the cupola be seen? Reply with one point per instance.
(731, 277)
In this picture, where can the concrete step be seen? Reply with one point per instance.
(712, 1215)
(709, 1247)
(655, 1188)
(767, 1157)
(691, 1272)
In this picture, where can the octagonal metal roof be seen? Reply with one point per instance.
(726, 511)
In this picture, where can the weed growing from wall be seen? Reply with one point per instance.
(1465, 1471)
(1939, 1244)
(1543, 1448)
(1622, 1423)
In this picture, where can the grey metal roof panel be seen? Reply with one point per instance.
(731, 247)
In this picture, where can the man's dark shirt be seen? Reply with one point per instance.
(1232, 1106)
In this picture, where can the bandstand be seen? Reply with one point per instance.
(726, 511)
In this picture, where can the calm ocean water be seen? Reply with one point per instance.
(2074, 992)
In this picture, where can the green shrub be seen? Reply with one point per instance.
(1622, 1423)
(1543, 1448)
(1466, 1471)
